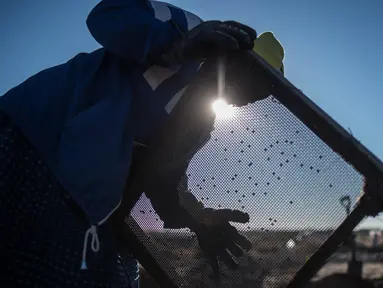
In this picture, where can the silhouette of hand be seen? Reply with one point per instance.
(220, 240)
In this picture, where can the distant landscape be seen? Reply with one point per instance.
(273, 261)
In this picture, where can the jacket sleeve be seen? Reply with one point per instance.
(170, 197)
(129, 29)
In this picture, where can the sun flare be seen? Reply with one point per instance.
(222, 109)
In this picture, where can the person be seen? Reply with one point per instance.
(171, 148)
(68, 132)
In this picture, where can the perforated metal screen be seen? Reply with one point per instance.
(264, 161)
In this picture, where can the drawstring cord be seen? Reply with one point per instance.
(95, 244)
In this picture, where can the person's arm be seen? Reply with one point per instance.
(174, 147)
(170, 197)
(129, 29)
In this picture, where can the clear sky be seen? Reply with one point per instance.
(333, 48)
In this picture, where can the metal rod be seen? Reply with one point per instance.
(318, 259)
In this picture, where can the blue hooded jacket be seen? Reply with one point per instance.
(83, 116)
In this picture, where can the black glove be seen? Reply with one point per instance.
(210, 38)
(217, 237)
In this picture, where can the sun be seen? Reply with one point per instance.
(222, 109)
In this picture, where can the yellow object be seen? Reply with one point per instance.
(270, 49)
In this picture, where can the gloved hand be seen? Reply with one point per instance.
(217, 237)
(210, 38)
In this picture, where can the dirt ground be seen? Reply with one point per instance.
(271, 263)
(370, 270)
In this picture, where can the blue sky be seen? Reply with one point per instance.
(333, 48)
